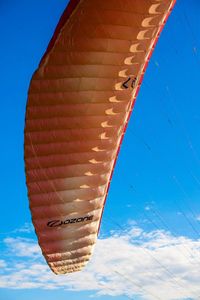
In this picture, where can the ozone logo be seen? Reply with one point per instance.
(56, 223)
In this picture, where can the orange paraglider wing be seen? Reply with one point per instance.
(79, 103)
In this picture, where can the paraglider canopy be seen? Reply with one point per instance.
(79, 103)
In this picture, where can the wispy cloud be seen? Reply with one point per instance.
(198, 218)
(22, 247)
(2, 263)
(26, 228)
(153, 265)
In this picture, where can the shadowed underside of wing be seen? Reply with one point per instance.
(79, 103)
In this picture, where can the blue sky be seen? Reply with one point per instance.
(151, 224)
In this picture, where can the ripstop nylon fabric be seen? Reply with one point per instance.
(79, 102)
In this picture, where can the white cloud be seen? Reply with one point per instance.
(23, 247)
(147, 208)
(198, 218)
(154, 265)
(26, 228)
(2, 263)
